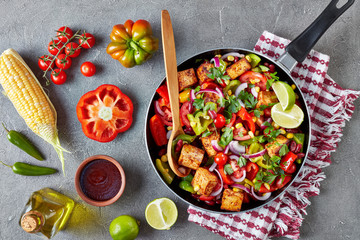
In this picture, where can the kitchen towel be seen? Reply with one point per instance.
(329, 106)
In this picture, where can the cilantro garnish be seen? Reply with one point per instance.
(206, 133)
(249, 100)
(216, 74)
(226, 137)
(283, 150)
(232, 104)
(228, 169)
(198, 103)
(271, 79)
(242, 161)
(263, 107)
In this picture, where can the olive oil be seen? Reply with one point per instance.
(46, 213)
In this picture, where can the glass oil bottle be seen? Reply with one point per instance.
(46, 213)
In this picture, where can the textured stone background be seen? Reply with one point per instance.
(28, 26)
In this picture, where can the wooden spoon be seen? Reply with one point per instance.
(173, 88)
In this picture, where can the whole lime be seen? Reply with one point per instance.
(124, 227)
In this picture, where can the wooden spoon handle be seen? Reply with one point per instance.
(170, 66)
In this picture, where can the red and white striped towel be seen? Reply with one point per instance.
(329, 107)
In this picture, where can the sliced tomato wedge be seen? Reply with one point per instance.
(104, 112)
(184, 111)
(250, 75)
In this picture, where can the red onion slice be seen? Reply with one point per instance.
(220, 93)
(261, 198)
(192, 95)
(263, 126)
(168, 134)
(222, 185)
(182, 170)
(216, 146)
(254, 155)
(216, 61)
(226, 150)
(234, 54)
(158, 109)
(254, 92)
(212, 114)
(236, 148)
(241, 187)
(239, 179)
(240, 88)
(213, 166)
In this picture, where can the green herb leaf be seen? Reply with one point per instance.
(242, 161)
(257, 113)
(249, 100)
(271, 79)
(197, 89)
(226, 137)
(228, 169)
(283, 150)
(198, 103)
(206, 133)
(210, 106)
(233, 104)
(263, 107)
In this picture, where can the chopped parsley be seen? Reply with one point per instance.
(249, 100)
(283, 150)
(206, 133)
(271, 79)
(216, 74)
(198, 103)
(242, 161)
(228, 169)
(226, 137)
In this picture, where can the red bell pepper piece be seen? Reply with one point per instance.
(163, 92)
(245, 116)
(158, 130)
(209, 85)
(206, 198)
(287, 161)
(227, 180)
(232, 120)
(251, 170)
(246, 198)
(263, 189)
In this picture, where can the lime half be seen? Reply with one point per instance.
(285, 94)
(288, 119)
(161, 213)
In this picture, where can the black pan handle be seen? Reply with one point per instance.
(301, 46)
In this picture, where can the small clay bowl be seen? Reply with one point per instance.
(92, 201)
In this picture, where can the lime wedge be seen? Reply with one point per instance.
(287, 119)
(285, 94)
(161, 213)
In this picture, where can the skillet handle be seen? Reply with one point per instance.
(301, 46)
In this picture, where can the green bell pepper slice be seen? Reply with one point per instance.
(254, 148)
(185, 185)
(199, 121)
(165, 170)
(233, 85)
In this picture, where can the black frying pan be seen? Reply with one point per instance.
(296, 51)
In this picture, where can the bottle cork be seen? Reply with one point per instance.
(32, 221)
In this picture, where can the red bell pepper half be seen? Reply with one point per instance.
(163, 92)
(227, 180)
(246, 117)
(158, 131)
(287, 161)
(104, 112)
(251, 170)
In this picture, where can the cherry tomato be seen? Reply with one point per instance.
(58, 76)
(44, 62)
(221, 159)
(291, 169)
(63, 62)
(281, 182)
(250, 75)
(64, 34)
(72, 49)
(87, 40)
(55, 46)
(88, 69)
(220, 121)
(184, 111)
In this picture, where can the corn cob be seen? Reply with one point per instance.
(28, 97)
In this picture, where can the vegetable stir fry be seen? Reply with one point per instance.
(243, 138)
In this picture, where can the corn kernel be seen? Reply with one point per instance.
(236, 189)
(296, 96)
(232, 128)
(230, 58)
(238, 125)
(169, 128)
(227, 82)
(267, 186)
(164, 158)
(248, 182)
(282, 131)
(290, 135)
(218, 56)
(293, 86)
(248, 58)
(229, 92)
(257, 89)
(257, 132)
(254, 119)
(247, 185)
(223, 129)
(196, 188)
(298, 161)
(251, 134)
(252, 81)
(256, 80)
(276, 126)
(261, 112)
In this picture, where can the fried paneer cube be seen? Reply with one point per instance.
(231, 200)
(186, 78)
(204, 181)
(206, 142)
(266, 97)
(191, 156)
(238, 68)
(274, 147)
(202, 71)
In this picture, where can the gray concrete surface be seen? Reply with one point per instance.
(28, 26)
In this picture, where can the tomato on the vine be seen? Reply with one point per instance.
(64, 34)
(58, 76)
(87, 40)
(221, 158)
(72, 49)
(45, 61)
(62, 61)
(220, 121)
(55, 46)
(88, 69)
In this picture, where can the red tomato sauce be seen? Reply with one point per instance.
(100, 180)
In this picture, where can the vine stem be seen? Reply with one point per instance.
(6, 164)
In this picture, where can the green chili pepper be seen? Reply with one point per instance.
(248, 142)
(254, 148)
(23, 143)
(165, 171)
(188, 178)
(30, 170)
(185, 185)
(299, 138)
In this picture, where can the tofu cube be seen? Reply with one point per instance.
(205, 181)
(238, 68)
(206, 142)
(266, 97)
(210, 97)
(274, 147)
(231, 200)
(191, 156)
(202, 71)
(186, 78)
